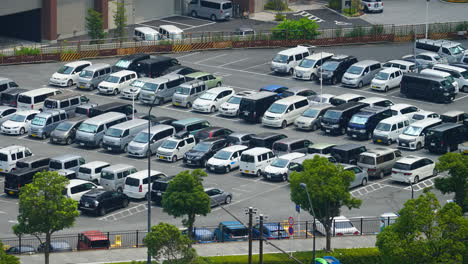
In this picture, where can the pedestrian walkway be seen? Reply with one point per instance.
(210, 249)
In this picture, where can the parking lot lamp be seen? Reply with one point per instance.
(148, 195)
(427, 16)
(304, 186)
(412, 190)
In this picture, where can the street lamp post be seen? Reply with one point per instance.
(412, 190)
(148, 196)
(427, 16)
(304, 186)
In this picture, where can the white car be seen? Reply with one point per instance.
(279, 167)
(307, 68)
(6, 112)
(68, 74)
(387, 79)
(175, 147)
(132, 91)
(412, 169)
(404, 109)
(231, 106)
(426, 59)
(18, 123)
(76, 188)
(226, 159)
(341, 226)
(322, 99)
(421, 115)
(115, 82)
(211, 100)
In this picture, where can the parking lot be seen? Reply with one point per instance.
(242, 70)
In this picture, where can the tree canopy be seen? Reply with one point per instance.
(303, 28)
(328, 186)
(94, 25)
(120, 20)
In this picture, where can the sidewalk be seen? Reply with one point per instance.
(212, 249)
(269, 16)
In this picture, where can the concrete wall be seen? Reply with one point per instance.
(8, 7)
(71, 16)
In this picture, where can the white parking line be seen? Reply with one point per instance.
(186, 55)
(244, 71)
(220, 55)
(268, 62)
(125, 213)
(233, 62)
(168, 21)
(461, 98)
(422, 184)
(413, 100)
(203, 25)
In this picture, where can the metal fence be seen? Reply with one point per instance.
(220, 234)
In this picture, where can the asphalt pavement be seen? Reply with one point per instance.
(244, 69)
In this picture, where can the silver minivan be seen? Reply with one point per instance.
(91, 131)
(361, 73)
(118, 136)
(212, 9)
(138, 147)
(67, 101)
(378, 161)
(161, 89)
(91, 76)
(66, 162)
(187, 92)
(113, 177)
(44, 123)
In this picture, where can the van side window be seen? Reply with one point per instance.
(305, 54)
(388, 157)
(375, 67)
(126, 173)
(271, 155)
(126, 133)
(100, 128)
(446, 51)
(181, 144)
(400, 125)
(75, 101)
(301, 104)
(71, 164)
(290, 108)
(190, 140)
(19, 155)
(64, 104)
(406, 122)
(56, 118)
(394, 127)
(298, 57)
(265, 156)
(120, 175)
(290, 59)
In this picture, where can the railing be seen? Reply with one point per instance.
(278, 230)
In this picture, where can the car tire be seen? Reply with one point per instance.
(189, 105)
(218, 84)
(147, 196)
(102, 211)
(366, 10)
(464, 89)
(291, 72)
(360, 85)
(284, 124)
(364, 182)
(174, 159)
(69, 141)
(343, 131)
(386, 89)
(213, 109)
(213, 18)
(228, 200)
(91, 87)
(69, 83)
(259, 173)
(389, 141)
(115, 92)
(418, 146)
(381, 175)
(125, 149)
(100, 144)
(314, 127)
(119, 190)
(44, 136)
(434, 172)
(416, 180)
(285, 177)
(125, 203)
(193, 14)
(227, 169)
(22, 131)
(333, 80)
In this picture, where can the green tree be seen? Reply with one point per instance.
(457, 180)
(94, 25)
(166, 241)
(120, 20)
(425, 233)
(185, 197)
(296, 29)
(328, 186)
(5, 258)
(43, 209)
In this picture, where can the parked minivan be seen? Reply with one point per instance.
(388, 130)
(361, 73)
(453, 51)
(65, 132)
(34, 99)
(146, 34)
(113, 177)
(191, 125)
(44, 123)
(212, 9)
(136, 184)
(289, 145)
(91, 131)
(335, 120)
(307, 68)
(253, 161)
(346, 98)
(118, 107)
(68, 74)
(265, 139)
(286, 60)
(175, 147)
(284, 111)
(212, 99)
(347, 153)
(10, 97)
(155, 66)
(91, 76)
(454, 116)
(413, 137)
(441, 74)
(186, 93)
(458, 73)
(91, 171)
(445, 137)
(430, 88)
(67, 101)
(117, 137)
(66, 162)
(6, 84)
(379, 161)
(404, 66)
(279, 167)
(362, 124)
(387, 79)
(161, 89)
(170, 32)
(24, 173)
(311, 118)
(138, 147)
(129, 62)
(226, 159)
(252, 107)
(10, 155)
(115, 82)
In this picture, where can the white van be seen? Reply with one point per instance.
(68, 74)
(170, 32)
(136, 184)
(91, 171)
(387, 79)
(76, 188)
(10, 155)
(34, 99)
(211, 100)
(404, 66)
(175, 147)
(441, 74)
(283, 112)
(254, 160)
(388, 130)
(451, 50)
(115, 82)
(146, 34)
(414, 135)
(307, 68)
(278, 169)
(226, 159)
(458, 73)
(286, 60)
(113, 177)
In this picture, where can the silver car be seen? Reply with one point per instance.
(218, 196)
(310, 119)
(360, 176)
(65, 132)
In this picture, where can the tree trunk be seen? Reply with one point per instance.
(47, 248)
(190, 221)
(328, 244)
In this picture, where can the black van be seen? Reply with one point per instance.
(124, 108)
(24, 173)
(362, 124)
(265, 140)
(159, 188)
(129, 62)
(252, 107)
(347, 153)
(445, 137)
(10, 96)
(155, 66)
(335, 120)
(430, 88)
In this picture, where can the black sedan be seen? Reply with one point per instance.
(100, 201)
(199, 155)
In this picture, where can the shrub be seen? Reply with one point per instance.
(462, 27)
(335, 4)
(356, 32)
(296, 29)
(376, 30)
(280, 17)
(277, 5)
(27, 51)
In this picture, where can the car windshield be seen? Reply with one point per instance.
(383, 127)
(311, 113)
(208, 96)
(112, 79)
(355, 70)
(402, 166)
(64, 126)
(88, 128)
(38, 121)
(222, 155)
(332, 114)
(182, 90)
(277, 108)
(306, 63)
(235, 100)
(412, 131)
(86, 74)
(366, 160)
(3, 157)
(280, 58)
(203, 147)
(65, 70)
(456, 50)
(464, 74)
(169, 144)
(123, 64)
(141, 137)
(360, 120)
(330, 65)
(113, 132)
(18, 118)
(382, 76)
(147, 86)
(280, 163)
(437, 57)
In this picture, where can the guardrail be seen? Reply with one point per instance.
(212, 234)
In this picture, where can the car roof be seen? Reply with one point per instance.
(10, 148)
(400, 106)
(289, 140)
(95, 192)
(372, 100)
(260, 95)
(326, 95)
(291, 99)
(32, 158)
(390, 70)
(75, 182)
(453, 113)
(273, 87)
(144, 173)
(118, 166)
(94, 164)
(77, 63)
(99, 118)
(291, 156)
(409, 159)
(346, 106)
(4, 107)
(424, 112)
(347, 96)
(218, 90)
(295, 50)
(321, 145)
(188, 120)
(395, 119)
(402, 62)
(348, 146)
(130, 123)
(310, 156)
(172, 28)
(266, 135)
(147, 30)
(445, 126)
(378, 151)
(365, 63)
(97, 66)
(255, 151)
(339, 57)
(27, 112)
(234, 148)
(155, 59)
(122, 73)
(95, 235)
(240, 134)
(198, 74)
(320, 106)
(319, 55)
(65, 157)
(426, 122)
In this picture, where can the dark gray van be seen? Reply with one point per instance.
(44, 123)
(67, 101)
(138, 147)
(289, 145)
(92, 75)
(65, 132)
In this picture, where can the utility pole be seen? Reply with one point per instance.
(427, 16)
(260, 219)
(250, 211)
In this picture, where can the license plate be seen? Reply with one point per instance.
(82, 86)
(432, 144)
(327, 130)
(86, 204)
(161, 157)
(54, 139)
(11, 192)
(81, 144)
(176, 103)
(246, 171)
(379, 140)
(403, 144)
(109, 148)
(158, 194)
(33, 135)
(354, 136)
(373, 86)
(465, 152)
